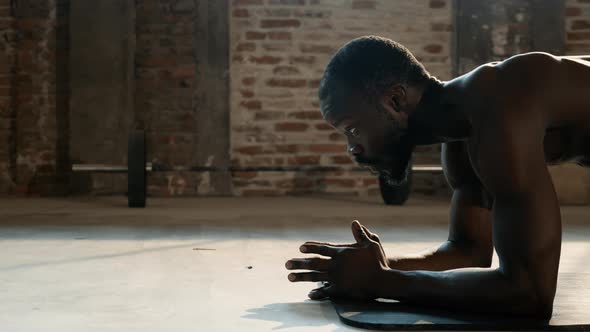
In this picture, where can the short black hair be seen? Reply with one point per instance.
(372, 64)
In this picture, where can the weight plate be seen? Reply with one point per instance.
(396, 194)
(136, 174)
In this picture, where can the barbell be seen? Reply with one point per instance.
(137, 169)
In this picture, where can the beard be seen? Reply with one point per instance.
(396, 172)
(395, 160)
(396, 165)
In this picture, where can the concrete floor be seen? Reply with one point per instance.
(92, 264)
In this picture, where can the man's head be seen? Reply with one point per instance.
(368, 90)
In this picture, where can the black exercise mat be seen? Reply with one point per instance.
(570, 313)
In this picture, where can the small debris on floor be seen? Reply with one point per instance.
(249, 267)
(203, 249)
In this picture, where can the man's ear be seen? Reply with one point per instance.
(394, 99)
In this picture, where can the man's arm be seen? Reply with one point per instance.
(470, 229)
(526, 230)
(526, 233)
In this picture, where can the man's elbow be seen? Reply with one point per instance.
(535, 300)
(539, 306)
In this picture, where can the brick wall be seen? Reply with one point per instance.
(577, 27)
(34, 163)
(279, 51)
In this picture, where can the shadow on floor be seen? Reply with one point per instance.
(299, 314)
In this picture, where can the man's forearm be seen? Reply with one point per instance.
(472, 289)
(447, 257)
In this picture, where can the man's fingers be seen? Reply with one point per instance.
(338, 245)
(320, 249)
(309, 276)
(373, 236)
(316, 263)
(356, 232)
(359, 233)
(322, 292)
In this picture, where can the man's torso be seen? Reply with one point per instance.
(554, 88)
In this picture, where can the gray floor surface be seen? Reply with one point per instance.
(199, 264)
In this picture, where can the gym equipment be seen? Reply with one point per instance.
(138, 168)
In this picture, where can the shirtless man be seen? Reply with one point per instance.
(500, 124)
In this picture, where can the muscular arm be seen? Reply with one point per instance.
(470, 235)
(526, 231)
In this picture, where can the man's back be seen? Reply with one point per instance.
(554, 89)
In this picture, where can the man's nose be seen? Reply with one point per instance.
(355, 149)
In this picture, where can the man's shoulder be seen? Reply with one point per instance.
(512, 76)
(527, 60)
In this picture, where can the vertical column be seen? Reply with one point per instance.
(101, 84)
(211, 50)
(7, 110)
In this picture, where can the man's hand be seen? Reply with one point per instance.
(350, 271)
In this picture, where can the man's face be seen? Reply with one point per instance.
(376, 137)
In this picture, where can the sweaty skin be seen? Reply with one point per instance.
(500, 125)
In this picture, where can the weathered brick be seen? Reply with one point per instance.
(578, 36)
(241, 12)
(314, 84)
(295, 183)
(341, 160)
(260, 192)
(364, 4)
(306, 115)
(573, 11)
(268, 115)
(349, 183)
(581, 25)
(246, 93)
(252, 105)
(313, 48)
(248, 81)
(436, 4)
(438, 27)
(237, 3)
(255, 35)
(337, 137)
(287, 2)
(280, 35)
(237, 58)
(287, 148)
(285, 70)
(274, 12)
(245, 175)
(291, 126)
(327, 148)
(245, 47)
(184, 71)
(302, 60)
(312, 13)
(433, 48)
(276, 47)
(323, 126)
(266, 60)
(286, 83)
(304, 160)
(249, 150)
(286, 23)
